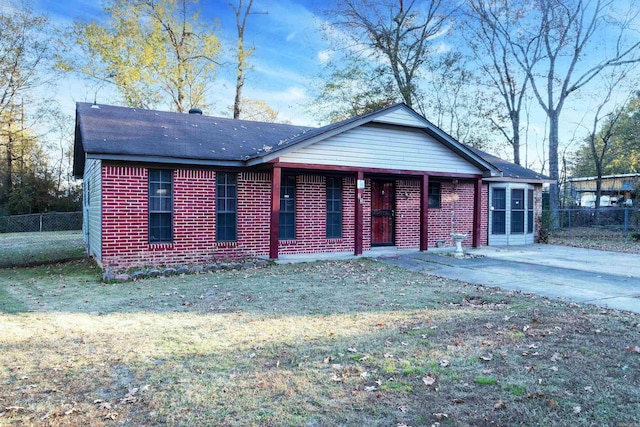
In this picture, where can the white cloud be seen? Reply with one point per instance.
(291, 36)
(325, 55)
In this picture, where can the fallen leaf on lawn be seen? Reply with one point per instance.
(336, 378)
(428, 380)
(457, 400)
(556, 357)
(328, 359)
(71, 411)
(444, 363)
(577, 409)
(588, 389)
(402, 408)
(387, 355)
(486, 358)
(552, 403)
(111, 416)
(370, 388)
(499, 405)
(532, 346)
(634, 349)
(440, 415)
(105, 405)
(554, 368)
(352, 350)
(13, 408)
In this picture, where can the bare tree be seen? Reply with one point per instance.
(242, 53)
(397, 33)
(559, 53)
(491, 48)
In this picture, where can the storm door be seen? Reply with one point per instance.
(382, 213)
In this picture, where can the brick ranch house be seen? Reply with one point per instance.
(169, 189)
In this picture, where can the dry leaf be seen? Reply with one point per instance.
(440, 415)
(499, 405)
(556, 357)
(402, 409)
(577, 409)
(370, 388)
(444, 363)
(486, 358)
(71, 411)
(352, 350)
(428, 380)
(634, 349)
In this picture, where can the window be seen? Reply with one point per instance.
(160, 206)
(334, 208)
(288, 208)
(226, 207)
(529, 211)
(498, 216)
(517, 211)
(434, 195)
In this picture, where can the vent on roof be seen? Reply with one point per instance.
(195, 111)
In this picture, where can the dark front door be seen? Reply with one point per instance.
(382, 213)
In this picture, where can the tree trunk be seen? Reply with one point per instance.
(554, 189)
(515, 141)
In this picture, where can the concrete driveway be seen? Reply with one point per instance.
(607, 279)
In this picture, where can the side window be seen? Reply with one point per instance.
(160, 206)
(517, 211)
(498, 213)
(226, 207)
(530, 211)
(434, 195)
(288, 208)
(334, 208)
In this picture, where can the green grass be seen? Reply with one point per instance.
(244, 347)
(28, 249)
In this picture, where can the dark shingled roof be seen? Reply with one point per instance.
(106, 129)
(511, 170)
(111, 132)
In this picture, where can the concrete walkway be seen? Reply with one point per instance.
(607, 279)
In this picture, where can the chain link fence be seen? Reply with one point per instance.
(56, 221)
(623, 220)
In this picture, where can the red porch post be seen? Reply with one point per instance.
(274, 227)
(424, 213)
(477, 213)
(359, 211)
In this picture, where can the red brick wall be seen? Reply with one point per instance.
(407, 214)
(455, 213)
(125, 219)
(311, 217)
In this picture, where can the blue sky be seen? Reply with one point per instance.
(288, 54)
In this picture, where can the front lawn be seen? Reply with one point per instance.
(319, 344)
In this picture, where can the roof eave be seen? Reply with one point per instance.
(165, 160)
(520, 180)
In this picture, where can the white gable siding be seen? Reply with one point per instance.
(401, 117)
(384, 148)
(92, 215)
